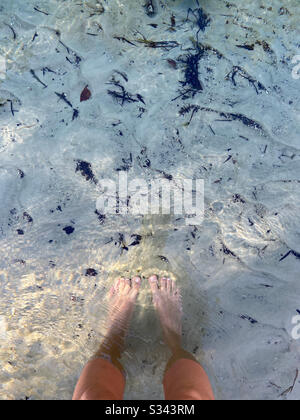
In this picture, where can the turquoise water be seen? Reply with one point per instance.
(219, 103)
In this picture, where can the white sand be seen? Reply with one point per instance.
(51, 314)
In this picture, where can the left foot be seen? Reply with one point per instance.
(122, 298)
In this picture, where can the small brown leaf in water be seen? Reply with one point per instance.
(172, 63)
(85, 94)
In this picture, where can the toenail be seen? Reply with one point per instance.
(137, 280)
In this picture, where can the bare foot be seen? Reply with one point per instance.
(167, 301)
(122, 297)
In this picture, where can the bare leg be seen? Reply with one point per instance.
(167, 301)
(99, 380)
(122, 297)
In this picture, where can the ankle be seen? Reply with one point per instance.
(177, 350)
(112, 347)
(173, 341)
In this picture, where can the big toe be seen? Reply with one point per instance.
(153, 280)
(136, 283)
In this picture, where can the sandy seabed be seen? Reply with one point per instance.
(236, 127)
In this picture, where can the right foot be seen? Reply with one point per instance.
(167, 301)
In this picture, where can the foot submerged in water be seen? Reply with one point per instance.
(168, 303)
(121, 297)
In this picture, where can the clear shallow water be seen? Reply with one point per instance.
(239, 295)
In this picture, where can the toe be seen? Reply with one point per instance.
(153, 280)
(176, 292)
(111, 292)
(163, 284)
(122, 283)
(114, 289)
(116, 286)
(136, 283)
(135, 288)
(169, 285)
(127, 286)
